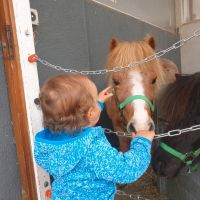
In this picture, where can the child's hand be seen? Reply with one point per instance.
(147, 134)
(105, 95)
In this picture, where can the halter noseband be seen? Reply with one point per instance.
(120, 106)
(132, 98)
(187, 158)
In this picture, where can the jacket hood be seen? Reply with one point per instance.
(58, 154)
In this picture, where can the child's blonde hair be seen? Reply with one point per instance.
(65, 101)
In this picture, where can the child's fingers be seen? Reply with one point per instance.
(146, 132)
(109, 95)
(151, 132)
(106, 90)
(105, 94)
(133, 134)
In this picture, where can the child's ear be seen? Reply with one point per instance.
(91, 114)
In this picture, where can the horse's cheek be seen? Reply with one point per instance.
(111, 109)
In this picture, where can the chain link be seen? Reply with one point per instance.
(131, 196)
(171, 133)
(118, 133)
(158, 54)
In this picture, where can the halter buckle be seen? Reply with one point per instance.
(189, 157)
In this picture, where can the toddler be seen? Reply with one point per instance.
(75, 152)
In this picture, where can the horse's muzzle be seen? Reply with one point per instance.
(135, 127)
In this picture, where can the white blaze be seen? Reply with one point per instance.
(140, 118)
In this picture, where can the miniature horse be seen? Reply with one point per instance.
(135, 89)
(180, 108)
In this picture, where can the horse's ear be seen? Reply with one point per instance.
(113, 43)
(150, 40)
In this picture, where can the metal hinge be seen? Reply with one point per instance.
(7, 45)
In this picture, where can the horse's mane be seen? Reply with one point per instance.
(180, 101)
(127, 52)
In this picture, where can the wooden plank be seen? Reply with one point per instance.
(17, 100)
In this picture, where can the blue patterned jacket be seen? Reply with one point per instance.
(86, 166)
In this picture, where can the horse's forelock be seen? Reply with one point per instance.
(129, 52)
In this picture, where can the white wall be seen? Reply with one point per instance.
(160, 13)
(190, 52)
(187, 11)
(196, 9)
(190, 56)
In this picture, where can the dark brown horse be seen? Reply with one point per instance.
(180, 109)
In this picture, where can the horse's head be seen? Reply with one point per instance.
(135, 89)
(134, 93)
(173, 154)
(179, 106)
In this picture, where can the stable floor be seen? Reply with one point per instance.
(143, 189)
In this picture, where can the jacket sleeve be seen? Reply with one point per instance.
(119, 167)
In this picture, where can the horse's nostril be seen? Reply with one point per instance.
(151, 126)
(131, 128)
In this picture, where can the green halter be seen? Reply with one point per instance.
(132, 98)
(187, 158)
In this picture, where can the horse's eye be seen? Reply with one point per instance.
(116, 82)
(154, 80)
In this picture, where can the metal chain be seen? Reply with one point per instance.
(171, 133)
(177, 132)
(176, 45)
(131, 196)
